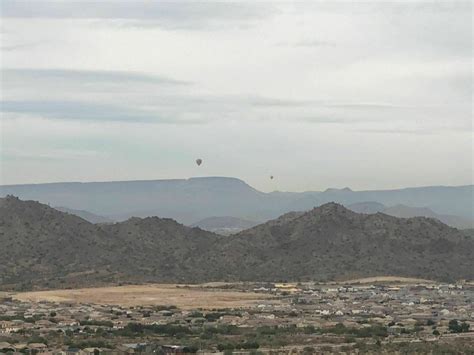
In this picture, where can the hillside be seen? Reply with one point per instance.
(44, 247)
(331, 242)
(161, 249)
(195, 199)
(48, 248)
(40, 245)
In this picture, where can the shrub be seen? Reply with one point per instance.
(225, 346)
(455, 327)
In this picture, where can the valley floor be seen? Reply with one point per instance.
(381, 315)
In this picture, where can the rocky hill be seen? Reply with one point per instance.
(43, 247)
(331, 242)
(40, 246)
(161, 249)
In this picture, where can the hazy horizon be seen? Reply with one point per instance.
(375, 188)
(371, 95)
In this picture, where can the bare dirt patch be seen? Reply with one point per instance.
(388, 279)
(156, 294)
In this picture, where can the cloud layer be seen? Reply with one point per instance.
(339, 89)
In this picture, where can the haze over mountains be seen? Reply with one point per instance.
(224, 225)
(44, 247)
(403, 211)
(192, 200)
(90, 217)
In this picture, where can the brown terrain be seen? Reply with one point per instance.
(44, 248)
(184, 297)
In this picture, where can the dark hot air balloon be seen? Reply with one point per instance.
(271, 177)
(198, 162)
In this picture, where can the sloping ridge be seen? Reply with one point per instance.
(331, 242)
(39, 245)
(47, 248)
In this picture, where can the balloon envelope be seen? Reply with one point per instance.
(198, 161)
(271, 177)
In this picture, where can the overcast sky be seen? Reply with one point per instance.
(328, 94)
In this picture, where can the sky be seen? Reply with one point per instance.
(370, 95)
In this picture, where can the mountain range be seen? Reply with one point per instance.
(46, 248)
(403, 211)
(190, 201)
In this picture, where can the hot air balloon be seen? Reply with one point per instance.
(198, 162)
(271, 177)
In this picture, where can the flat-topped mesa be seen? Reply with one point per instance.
(332, 189)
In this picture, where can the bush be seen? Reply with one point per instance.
(99, 323)
(191, 349)
(249, 345)
(196, 314)
(131, 329)
(310, 329)
(225, 346)
(455, 327)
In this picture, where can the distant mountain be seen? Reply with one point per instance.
(187, 201)
(90, 217)
(191, 200)
(224, 225)
(367, 207)
(403, 211)
(43, 247)
(451, 200)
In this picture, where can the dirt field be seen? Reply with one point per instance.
(389, 279)
(170, 294)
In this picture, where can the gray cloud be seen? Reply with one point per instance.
(88, 111)
(314, 43)
(171, 15)
(86, 76)
(19, 46)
